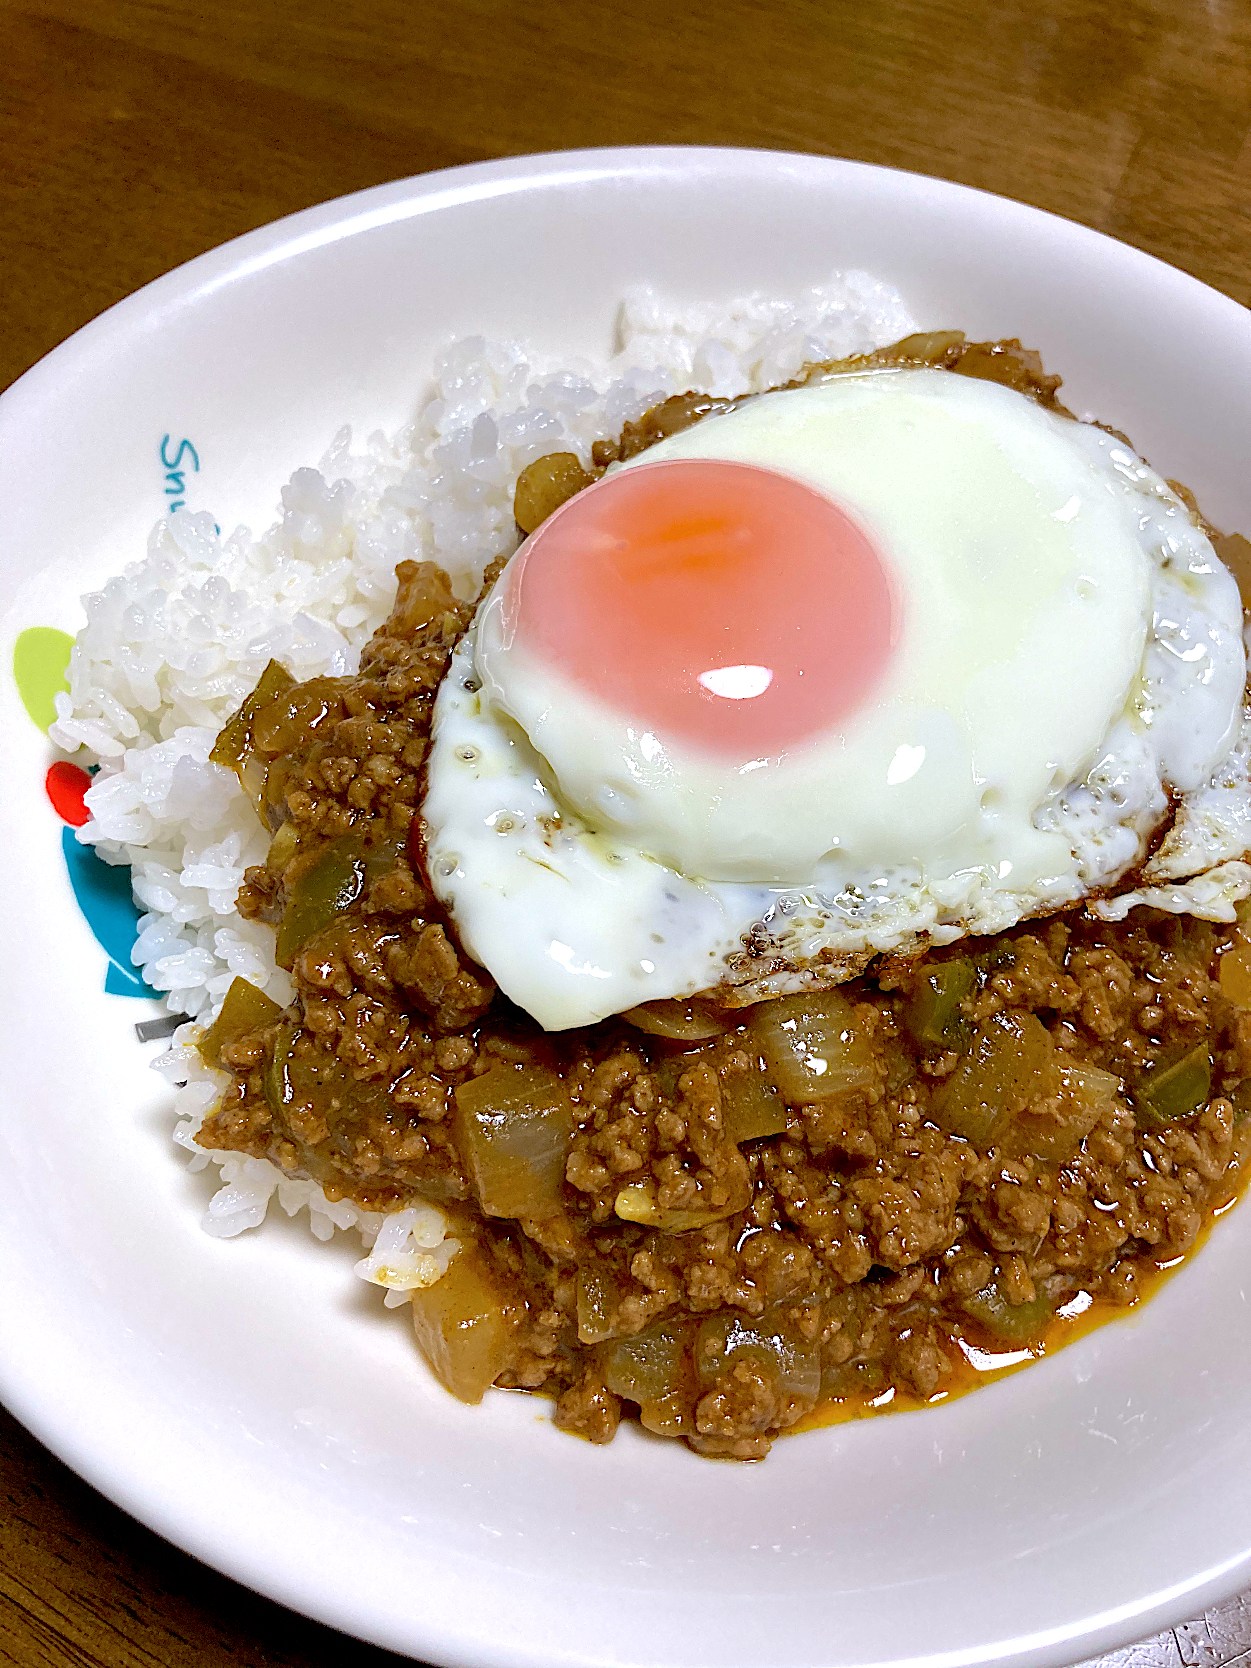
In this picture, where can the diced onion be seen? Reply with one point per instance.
(678, 1021)
(514, 1129)
(813, 1046)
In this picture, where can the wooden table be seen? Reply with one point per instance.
(142, 132)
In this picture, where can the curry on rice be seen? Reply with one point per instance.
(719, 1219)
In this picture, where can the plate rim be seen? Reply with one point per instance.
(329, 221)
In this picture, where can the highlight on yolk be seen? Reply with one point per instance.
(728, 607)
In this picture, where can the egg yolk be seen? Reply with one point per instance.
(727, 607)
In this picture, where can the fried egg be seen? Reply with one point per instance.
(858, 666)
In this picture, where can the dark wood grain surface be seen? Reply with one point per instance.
(139, 133)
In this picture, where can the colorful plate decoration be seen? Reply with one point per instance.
(102, 890)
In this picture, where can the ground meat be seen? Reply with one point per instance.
(722, 1286)
(589, 1408)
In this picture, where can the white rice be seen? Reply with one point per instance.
(174, 644)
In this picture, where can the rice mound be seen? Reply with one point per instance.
(174, 643)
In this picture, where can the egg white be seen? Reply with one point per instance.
(577, 920)
(1022, 604)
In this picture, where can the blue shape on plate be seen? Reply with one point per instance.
(103, 894)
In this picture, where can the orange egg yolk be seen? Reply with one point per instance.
(722, 606)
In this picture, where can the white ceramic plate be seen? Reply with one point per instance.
(254, 1403)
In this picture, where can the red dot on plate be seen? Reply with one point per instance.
(732, 608)
(65, 785)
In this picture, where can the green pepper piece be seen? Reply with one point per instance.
(234, 743)
(1176, 1091)
(1015, 1323)
(299, 1070)
(276, 1080)
(751, 1108)
(245, 1009)
(933, 1014)
(668, 1068)
(332, 883)
(1000, 954)
(1241, 1098)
